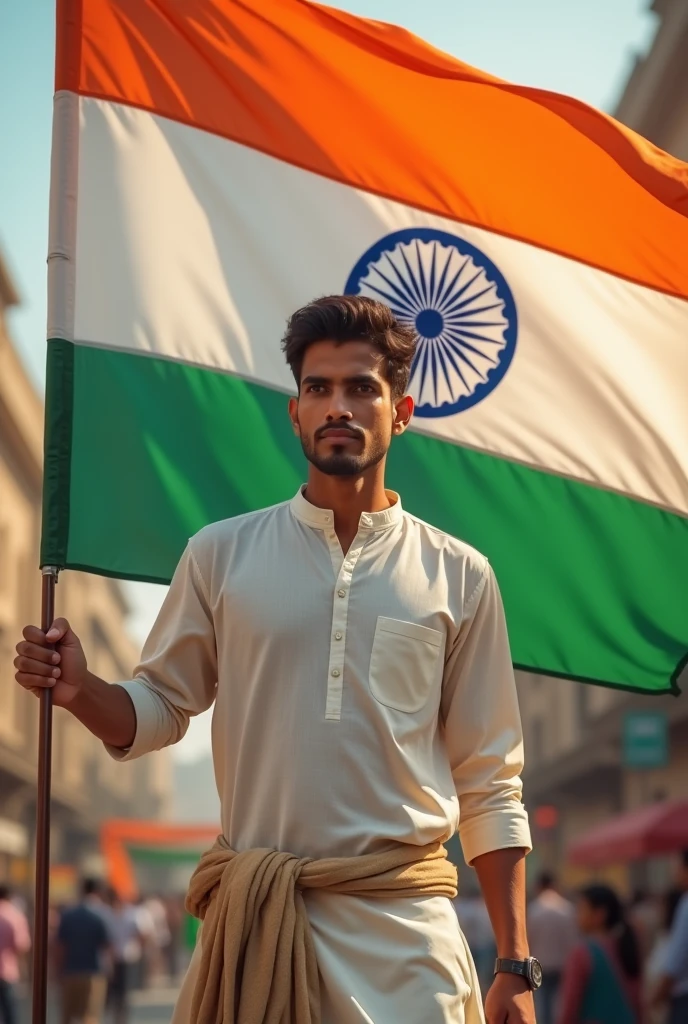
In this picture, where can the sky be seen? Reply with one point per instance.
(584, 48)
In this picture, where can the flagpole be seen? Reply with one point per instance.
(42, 889)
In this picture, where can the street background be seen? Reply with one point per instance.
(593, 754)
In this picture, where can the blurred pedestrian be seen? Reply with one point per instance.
(475, 924)
(655, 968)
(673, 983)
(127, 950)
(159, 938)
(552, 934)
(15, 942)
(82, 957)
(602, 978)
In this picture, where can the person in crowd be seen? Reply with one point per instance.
(672, 986)
(645, 917)
(15, 942)
(655, 966)
(174, 906)
(475, 925)
(602, 978)
(142, 970)
(82, 957)
(159, 937)
(127, 948)
(552, 935)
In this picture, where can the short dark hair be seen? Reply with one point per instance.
(342, 318)
(91, 887)
(5, 891)
(546, 880)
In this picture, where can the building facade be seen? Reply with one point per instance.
(88, 785)
(575, 775)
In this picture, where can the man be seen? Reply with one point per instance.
(365, 708)
(552, 935)
(15, 942)
(673, 983)
(127, 941)
(83, 946)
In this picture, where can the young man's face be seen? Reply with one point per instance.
(345, 415)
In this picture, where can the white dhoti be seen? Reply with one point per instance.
(383, 961)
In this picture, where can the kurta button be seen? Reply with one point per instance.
(335, 672)
(338, 636)
(342, 592)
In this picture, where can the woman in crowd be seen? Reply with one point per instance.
(602, 980)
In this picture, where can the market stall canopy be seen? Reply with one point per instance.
(650, 831)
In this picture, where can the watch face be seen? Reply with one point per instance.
(535, 973)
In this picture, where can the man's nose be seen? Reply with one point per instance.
(339, 408)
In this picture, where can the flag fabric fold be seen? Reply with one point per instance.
(218, 164)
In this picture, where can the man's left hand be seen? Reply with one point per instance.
(509, 1001)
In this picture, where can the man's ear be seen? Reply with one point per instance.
(294, 415)
(403, 411)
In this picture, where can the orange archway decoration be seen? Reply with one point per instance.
(116, 835)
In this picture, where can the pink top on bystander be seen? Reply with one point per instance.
(14, 940)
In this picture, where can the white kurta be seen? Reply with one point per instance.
(360, 700)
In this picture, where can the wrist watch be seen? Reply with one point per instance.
(529, 969)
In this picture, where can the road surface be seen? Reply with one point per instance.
(153, 1006)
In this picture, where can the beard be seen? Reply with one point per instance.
(342, 462)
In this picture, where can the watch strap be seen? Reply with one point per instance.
(505, 966)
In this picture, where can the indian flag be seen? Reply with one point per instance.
(218, 164)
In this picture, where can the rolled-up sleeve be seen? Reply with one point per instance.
(177, 677)
(482, 727)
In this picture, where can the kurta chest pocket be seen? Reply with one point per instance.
(404, 663)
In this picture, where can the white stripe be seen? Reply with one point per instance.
(64, 169)
(197, 249)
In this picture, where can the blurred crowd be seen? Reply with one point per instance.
(603, 961)
(102, 949)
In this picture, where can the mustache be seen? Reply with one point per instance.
(345, 428)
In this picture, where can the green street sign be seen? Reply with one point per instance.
(645, 739)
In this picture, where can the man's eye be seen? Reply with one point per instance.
(314, 388)
(366, 388)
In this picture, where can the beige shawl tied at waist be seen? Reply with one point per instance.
(258, 961)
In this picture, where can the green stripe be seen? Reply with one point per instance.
(594, 584)
(57, 452)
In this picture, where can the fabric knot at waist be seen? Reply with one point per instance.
(258, 962)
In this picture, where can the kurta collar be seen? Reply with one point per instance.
(323, 518)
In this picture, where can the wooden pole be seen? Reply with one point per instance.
(42, 891)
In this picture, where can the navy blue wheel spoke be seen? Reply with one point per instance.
(433, 356)
(421, 274)
(446, 358)
(461, 353)
(443, 277)
(449, 358)
(455, 305)
(392, 300)
(423, 368)
(460, 333)
(460, 324)
(431, 284)
(412, 279)
(464, 307)
(403, 287)
(458, 370)
(457, 315)
(463, 344)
